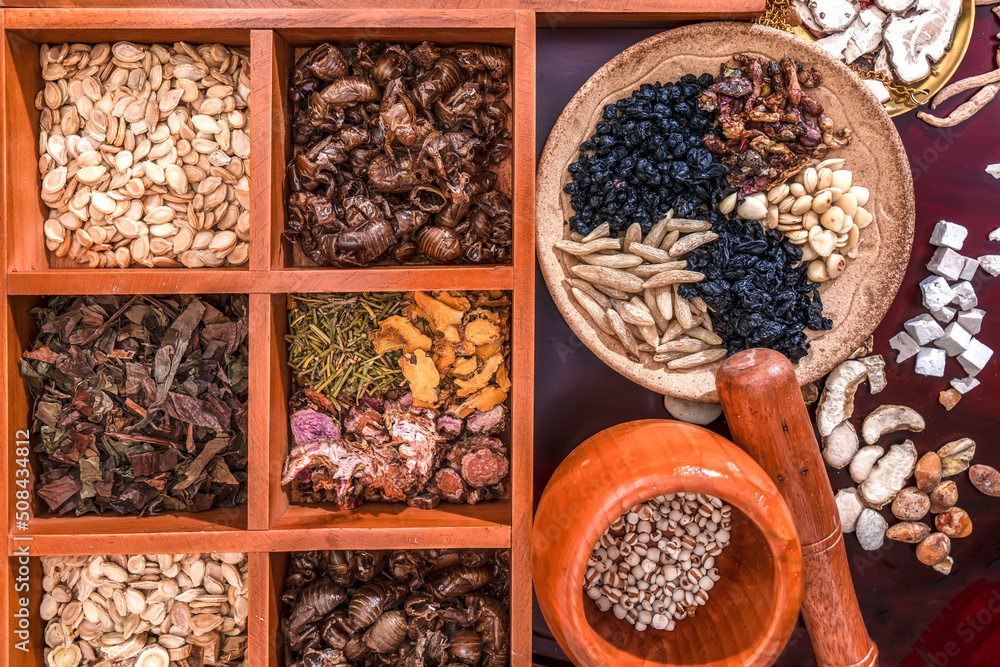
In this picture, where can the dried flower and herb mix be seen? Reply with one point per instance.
(145, 154)
(145, 610)
(140, 403)
(397, 149)
(405, 607)
(682, 173)
(655, 565)
(400, 397)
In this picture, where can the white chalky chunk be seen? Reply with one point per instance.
(930, 361)
(969, 271)
(965, 385)
(877, 87)
(949, 234)
(944, 315)
(946, 263)
(995, 234)
(993, 170)
(923, 329)
(975, 357)
(990, 264)
(965, 295)
(904, 345)
(955, 339)
(971, 320)
(936, 292)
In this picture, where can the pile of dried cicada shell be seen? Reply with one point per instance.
(145, 611)
(435, 607)
(395, 154)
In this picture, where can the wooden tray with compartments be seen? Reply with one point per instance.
(270, 525)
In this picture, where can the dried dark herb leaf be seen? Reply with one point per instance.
(141, 403)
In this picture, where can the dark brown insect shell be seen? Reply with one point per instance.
(349, 90)
(484, 57)
(390, 65)
(425, 55)
(356, 648)
(369, 602)
(466, 646)
(367, 241)
(438, 81)
(337, 629)
(327, 62)
(428, 198)
(462, 579)
(387, 633)
(439, 244)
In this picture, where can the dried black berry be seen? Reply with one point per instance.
(758, 297)
(646, 157)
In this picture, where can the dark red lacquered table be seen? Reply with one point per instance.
(916, 616)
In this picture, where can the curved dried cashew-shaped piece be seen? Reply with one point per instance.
(837, 401)
(875, 364)
(889, 476)
(849, 508)
(692, 412)
(864, 461)
(889, 419)
(841, 445)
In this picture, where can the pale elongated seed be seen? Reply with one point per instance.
(622, 332)
(613, 261)
(597, 245)
(665, 278)
(690, 242)
(697, 359)
(593, 309)
(619, 280)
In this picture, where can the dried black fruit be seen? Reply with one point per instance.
(757, 296)
(646, 157)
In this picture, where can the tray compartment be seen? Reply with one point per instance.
(484, 523)
(287, 45)
(276, 571)
(27, 251)
(22, 330)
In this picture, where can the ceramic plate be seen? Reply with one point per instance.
(856, 302)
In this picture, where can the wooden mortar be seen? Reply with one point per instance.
(751, 611)
(767, 417)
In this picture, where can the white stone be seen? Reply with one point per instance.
(995, 234)
(946, 263)
(949, 234)
(965, 295)
(930, 361)
(923, 329)
(904, 345)
(975, 358)
(993, 170)
(969, 270)
(990, 264)
(936, 292)
(945, 314)
(972, 320)
(955, 340)
(965, 385)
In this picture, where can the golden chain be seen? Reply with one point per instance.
(774, 16)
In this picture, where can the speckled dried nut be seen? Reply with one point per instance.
(954, 522)
(911, 532)
(861, 194)
(933, 549)
(928, 472)
(835, 265)
(817, 271)
(956, 456)
(943, 496)
(822, 202)
(911, 504)
(862, 218)
(985, 479)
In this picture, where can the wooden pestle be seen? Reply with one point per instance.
(768, 419)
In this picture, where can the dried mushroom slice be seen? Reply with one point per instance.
(420, 371)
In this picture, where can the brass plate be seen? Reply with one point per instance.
(944, 69)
